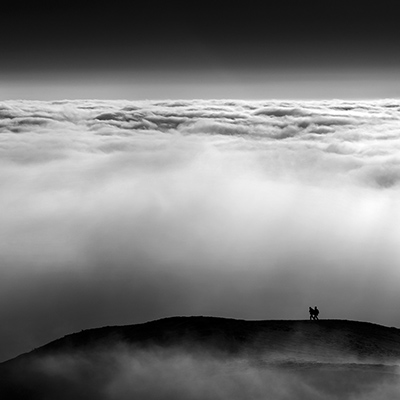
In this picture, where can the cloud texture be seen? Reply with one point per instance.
(126, 373)
(117, 212)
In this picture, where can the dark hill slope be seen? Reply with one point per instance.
(336, 358)
(300, 338)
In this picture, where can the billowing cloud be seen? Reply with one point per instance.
(116, 212)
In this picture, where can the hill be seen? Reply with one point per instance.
(336, 358)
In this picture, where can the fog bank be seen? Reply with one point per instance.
(120, 212)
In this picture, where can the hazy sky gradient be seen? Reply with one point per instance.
(218, 84)
(152, 50)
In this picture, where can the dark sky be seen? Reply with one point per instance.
(172, 43)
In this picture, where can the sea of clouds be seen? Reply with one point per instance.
(117, 212)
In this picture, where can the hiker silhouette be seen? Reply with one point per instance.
(313, 313)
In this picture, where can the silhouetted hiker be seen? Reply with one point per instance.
(313, 313)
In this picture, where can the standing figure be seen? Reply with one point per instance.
(313, 313)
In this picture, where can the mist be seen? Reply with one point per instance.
(123, 373)
(121, 212)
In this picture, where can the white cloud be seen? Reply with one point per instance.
(116, 212)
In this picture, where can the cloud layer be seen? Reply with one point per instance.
(116, 212)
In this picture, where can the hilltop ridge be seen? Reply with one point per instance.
(188, 357)
(232, 336)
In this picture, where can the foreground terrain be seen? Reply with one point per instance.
(208, 357)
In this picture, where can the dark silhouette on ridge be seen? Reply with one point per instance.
(314, 312)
